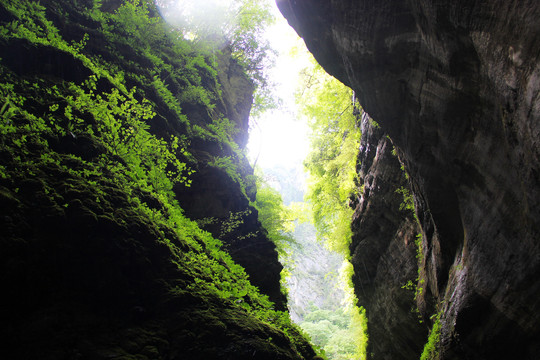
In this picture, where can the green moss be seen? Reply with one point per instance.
(431, 349)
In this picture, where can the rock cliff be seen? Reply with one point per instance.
(221, 204)
(456, 88)
(384, 249)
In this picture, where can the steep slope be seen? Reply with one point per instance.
(455, 86)
(110, 122)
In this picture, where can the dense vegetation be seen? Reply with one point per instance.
(334, 120)
(275, 217)
(340, 332)
(326, 304)
(240, 24)
(326, 104)
(102, 106)
(321, 299)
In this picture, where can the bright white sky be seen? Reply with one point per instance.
(280, 139)
(276, 138)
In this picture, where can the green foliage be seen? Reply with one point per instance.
(431, 349)
(408, 203)
(417, 286)
(274, 216)
(419, 252)
(252, 50)
(133, 25)
(338, 328)
(170, 100)
(223, 129)
(226, 164)
(120, 124)
(220, 130)
(300, 211)
(340, 333)
(234, 221)
(32, 25)
(103, 131)
(335, 138)
(179, 74)
(238, 25)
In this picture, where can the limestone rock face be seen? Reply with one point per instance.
(384, 251)
(456, 87)
(237, 96)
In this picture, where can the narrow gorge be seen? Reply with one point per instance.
(129, 226)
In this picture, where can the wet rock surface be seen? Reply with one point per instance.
(456, 88)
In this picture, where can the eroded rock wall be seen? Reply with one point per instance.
(456, 87)
(384, 251)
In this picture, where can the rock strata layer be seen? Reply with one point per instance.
(384, 251)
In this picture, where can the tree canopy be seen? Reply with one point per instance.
(335, 139)
(235, 24)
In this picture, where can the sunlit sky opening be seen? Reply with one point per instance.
(197, 16)
(191, 9)
(277, 137)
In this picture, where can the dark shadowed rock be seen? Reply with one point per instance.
(384, 251)
(218, 202)
(456, 87)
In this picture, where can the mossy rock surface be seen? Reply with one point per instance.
(98, 257)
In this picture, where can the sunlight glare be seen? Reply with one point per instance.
(278, 138)
(197, 16)
(275, 137)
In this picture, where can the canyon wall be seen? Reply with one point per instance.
(384, 249)
(455, 86)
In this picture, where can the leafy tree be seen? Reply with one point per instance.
(236, 24)
(275, 217)
(341, 332)
(335, 140)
